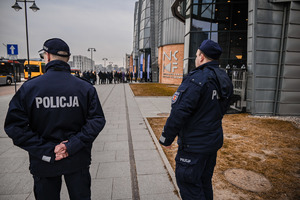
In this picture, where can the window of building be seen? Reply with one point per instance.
(220, 20)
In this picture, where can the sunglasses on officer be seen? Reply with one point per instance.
(42, 54)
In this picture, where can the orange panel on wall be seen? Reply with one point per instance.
(170, 61)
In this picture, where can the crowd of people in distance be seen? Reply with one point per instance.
(110, 77)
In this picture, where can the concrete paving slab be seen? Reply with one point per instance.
(153, 184)
(122, 156)
(164, 196)
(24, 185)
(9, 181)
(122, 188)
(118, 145)
(139, 132)
(146, 155)
(153, 106)
(5, 144)
(122, 137)
(139, 145)
(113, 170)
(98, 146)
(107, 137)
(11, 164)
(141, 137)
(150, 167)
(94, 169)
(14, 151)
(102, 189)
(104, 156)
(14, 197)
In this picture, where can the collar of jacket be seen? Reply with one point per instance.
(213, 63)
(58, 65)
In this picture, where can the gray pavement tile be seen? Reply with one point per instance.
(94, 169)
(116, 131)
(143, 145)
(14, 197)
(140, 132)
(10, 181)
(98, 146)
(113, 170)
(146, 155)
(122, 156)
(11, 164)
(102, 189)
(154, 184)
(138, 126)
(118, 145)
(141, 137)
(122, 188)
(24, 168)
(14, 151)
(164, 196)
(122, 126)
(107, 137)
(31, 196)
(24, 185)
(122, 137)
(5, 144)
(150, 167)
(104, 156)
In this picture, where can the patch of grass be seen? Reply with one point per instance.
(266, 146)
(153, 89)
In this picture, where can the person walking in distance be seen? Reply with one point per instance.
(55, 118)
(196, 116)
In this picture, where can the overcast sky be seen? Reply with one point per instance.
(106, 25)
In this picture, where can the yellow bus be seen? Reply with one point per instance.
(36, 67)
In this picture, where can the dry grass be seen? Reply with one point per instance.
(153, 89)
(266, 146)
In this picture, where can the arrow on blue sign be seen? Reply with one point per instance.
(12, 49)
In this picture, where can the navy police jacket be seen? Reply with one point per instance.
(50, 109)
(197, 110)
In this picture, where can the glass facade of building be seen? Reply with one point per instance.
(144, 38)
(223, 21)
(262, 36)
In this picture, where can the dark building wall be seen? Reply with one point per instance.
(272, 32)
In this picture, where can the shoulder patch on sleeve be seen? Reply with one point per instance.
(175, 97)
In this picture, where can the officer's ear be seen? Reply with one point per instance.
(49, 57)
(202, 56)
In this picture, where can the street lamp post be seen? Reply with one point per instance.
(34, 8)
(91, 50)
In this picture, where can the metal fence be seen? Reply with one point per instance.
(239, 81)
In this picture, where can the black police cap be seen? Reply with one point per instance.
(211, 49)
(56, 46)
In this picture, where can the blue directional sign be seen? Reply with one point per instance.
(12, 49)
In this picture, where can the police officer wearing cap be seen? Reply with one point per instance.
(196, 116)
(55, 118)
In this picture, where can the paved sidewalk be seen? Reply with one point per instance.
(125, 162)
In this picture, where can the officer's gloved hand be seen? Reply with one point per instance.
(164, 140)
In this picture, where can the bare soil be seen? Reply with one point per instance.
(153, 89)
(269, 147)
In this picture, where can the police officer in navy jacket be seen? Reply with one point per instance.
(198, 107)
(56, 117)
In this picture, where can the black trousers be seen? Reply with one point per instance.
(194, 173)
(78, 185)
